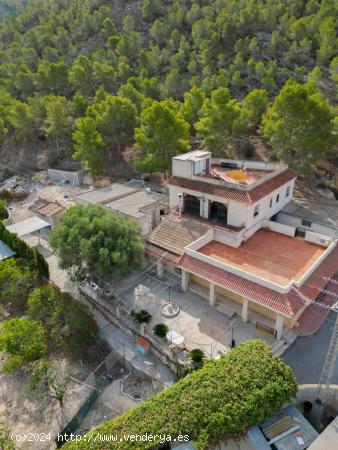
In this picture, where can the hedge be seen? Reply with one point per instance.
(223, 399)
(24, 251)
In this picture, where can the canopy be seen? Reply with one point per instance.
(28, 226)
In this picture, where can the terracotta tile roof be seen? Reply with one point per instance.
(315, 314)
(50, 209)
(287, 305)
(249, 197)
(174, 233)
(320, 278)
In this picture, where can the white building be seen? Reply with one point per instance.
(222, 236)
(219, 190)
(141, 205)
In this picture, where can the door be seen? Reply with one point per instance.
(218, 213)
(191, 205)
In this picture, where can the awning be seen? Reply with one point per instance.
(28, 226)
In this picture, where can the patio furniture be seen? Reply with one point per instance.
(174, 338)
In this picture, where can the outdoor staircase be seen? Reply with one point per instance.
(288, 338)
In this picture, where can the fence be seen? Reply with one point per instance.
(96, 383)
(118, 314)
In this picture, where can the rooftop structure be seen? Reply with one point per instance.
(223, 233)
(133, 204)
(104, 195)
(288, 430)
(47, 210)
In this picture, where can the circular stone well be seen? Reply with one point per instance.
(170, 310)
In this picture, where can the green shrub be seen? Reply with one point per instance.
(223, 399)
(31, 255)
(68, 323)
(3, 210)
(23, 341)
(142, 316)
(197, 355)
(160, 330)
(17, 280)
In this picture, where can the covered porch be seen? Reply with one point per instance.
(266, 320)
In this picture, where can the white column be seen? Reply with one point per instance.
(212, 295)
(279, 326)
(185, 280)
(245, 310)
(202, 207)
(160, 269)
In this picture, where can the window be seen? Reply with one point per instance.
(277, 198)
(271, 202)
(287, 191)
(306, 223)
(256, 212)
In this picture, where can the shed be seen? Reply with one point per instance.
(49, 211)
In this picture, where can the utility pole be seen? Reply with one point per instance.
(326, 375)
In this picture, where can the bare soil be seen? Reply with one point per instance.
(23, 415)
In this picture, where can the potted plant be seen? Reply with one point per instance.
(160, 330)
(197, 356)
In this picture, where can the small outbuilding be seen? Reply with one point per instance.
(49, 211)
(29, 226)
(141, 205)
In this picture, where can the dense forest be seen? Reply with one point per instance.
(94, 77)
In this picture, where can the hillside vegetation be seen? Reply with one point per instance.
(98, 76)
(223, 399)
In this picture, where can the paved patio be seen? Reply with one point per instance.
(200, 324)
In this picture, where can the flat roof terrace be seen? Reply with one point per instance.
(273, 256)
(236, 176)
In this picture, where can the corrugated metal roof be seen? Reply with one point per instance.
(28, 226)
(289, 442)
(5, 251)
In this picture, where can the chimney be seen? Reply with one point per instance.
(180, 196)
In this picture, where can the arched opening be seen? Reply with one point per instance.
(191, 205)
(218, 213)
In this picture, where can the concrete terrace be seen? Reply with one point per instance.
(273, 256)
(246, 178)
(200, 324)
